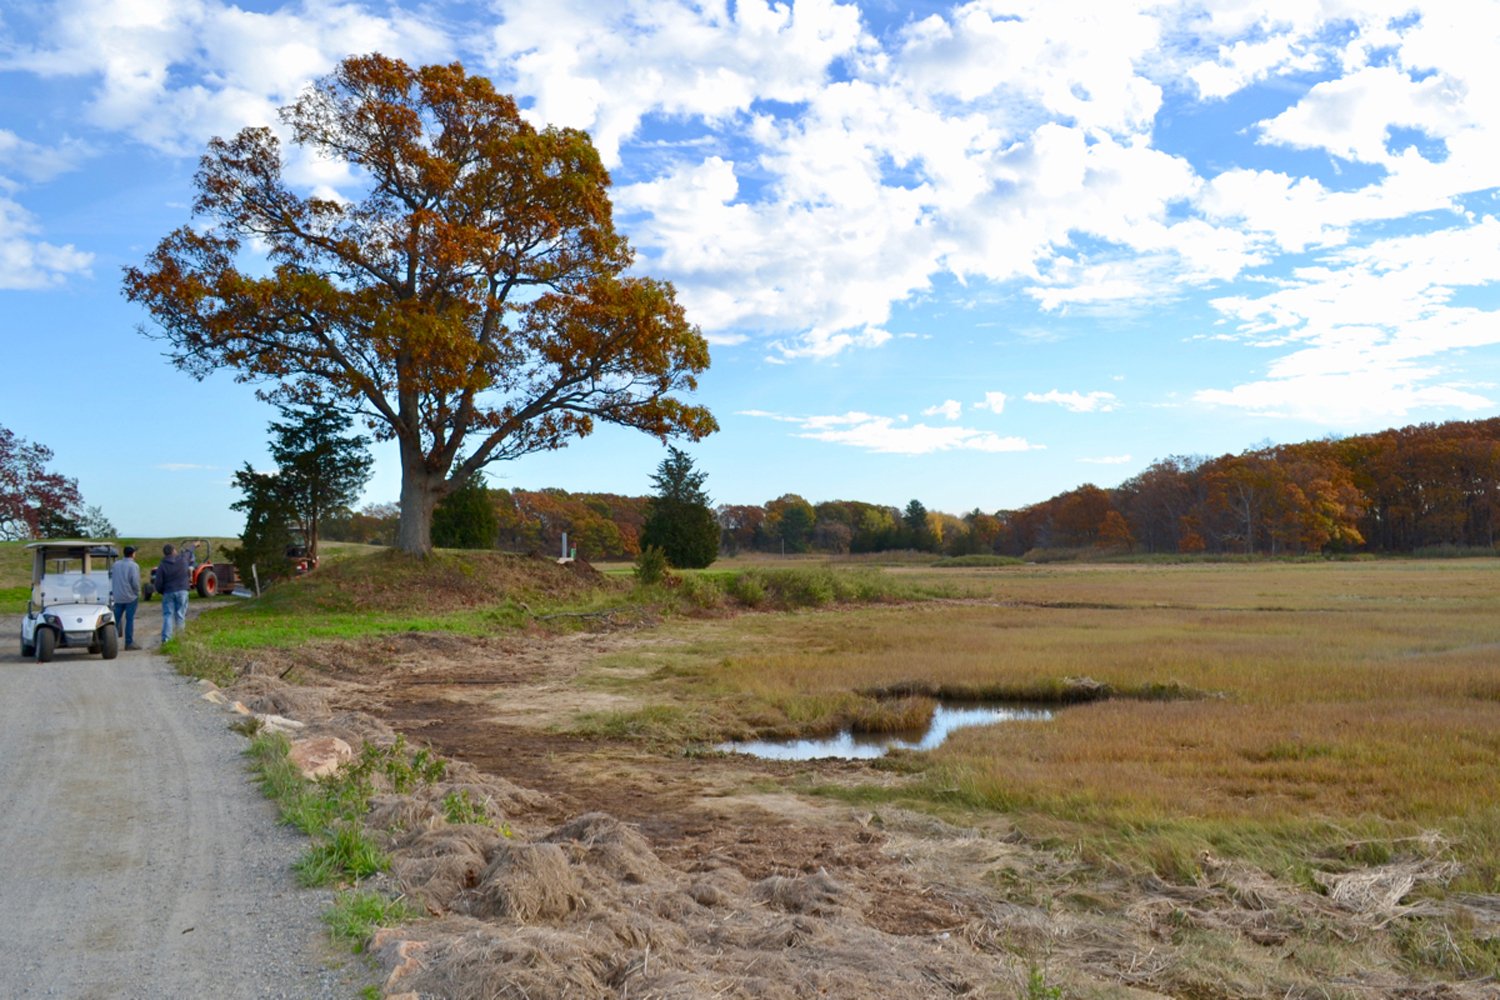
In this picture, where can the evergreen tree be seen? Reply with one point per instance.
(267, 533)
(321, 468)
(918, 532)
(465, 518)
(681, 522)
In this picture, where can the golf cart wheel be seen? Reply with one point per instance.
(208, 584)
(46, 643)
(28, 649)
(109, 642)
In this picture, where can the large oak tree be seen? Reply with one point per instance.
(472, 302)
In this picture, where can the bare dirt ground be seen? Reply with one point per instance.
(136, 859)
(624, 872)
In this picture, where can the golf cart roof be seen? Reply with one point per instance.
(77, 545)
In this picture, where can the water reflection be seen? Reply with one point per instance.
(864, 746)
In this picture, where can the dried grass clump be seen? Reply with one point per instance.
(485, 962)
(268, 695)
(425, 807)
(1377, 892)
(719, 887)
(403, 817)
(529, 882)
(609, 846)
(440, 868)
(356, 729)
(818, 895)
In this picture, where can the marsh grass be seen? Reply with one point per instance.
(1264, 710)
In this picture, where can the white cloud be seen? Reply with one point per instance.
(604, 66)
(29, 263)
(950, 409)
(993, 401)
(1352, 116)
(1077, 402)
(1349, 399)
(173, 73)
(1365, 331)
(35, 162)
(895, 435)
(974, 143)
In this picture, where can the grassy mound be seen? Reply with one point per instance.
(446, 581)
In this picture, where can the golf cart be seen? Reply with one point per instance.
(70, 600)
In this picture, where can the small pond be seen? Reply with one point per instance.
(863, 746)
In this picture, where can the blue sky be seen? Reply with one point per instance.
(974, 253)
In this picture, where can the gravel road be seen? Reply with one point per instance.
(137, 859)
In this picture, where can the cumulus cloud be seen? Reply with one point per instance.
(896, 435)
(993, 401)
(1076, 402)
(173, 73)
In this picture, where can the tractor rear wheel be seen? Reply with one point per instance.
(208, 584)
(46, 642)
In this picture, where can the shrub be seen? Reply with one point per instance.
(650, 566)
(701, 591)
(747, 588)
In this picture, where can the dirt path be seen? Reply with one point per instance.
(136, 859)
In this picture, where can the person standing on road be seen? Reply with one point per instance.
(173, 578)
(125, 592)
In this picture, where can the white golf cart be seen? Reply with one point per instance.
(70, 605)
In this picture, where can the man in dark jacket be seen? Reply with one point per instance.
(173, 577)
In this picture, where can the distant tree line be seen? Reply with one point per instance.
(1395, 491)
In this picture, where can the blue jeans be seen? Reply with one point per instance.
(173, 613)
(125, 620)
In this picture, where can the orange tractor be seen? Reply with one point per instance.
(208, 577)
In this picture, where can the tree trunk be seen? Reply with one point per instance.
(418, 497)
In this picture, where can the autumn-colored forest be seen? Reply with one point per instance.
(1419, 487)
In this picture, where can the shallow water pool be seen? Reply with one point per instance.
(863, 746)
